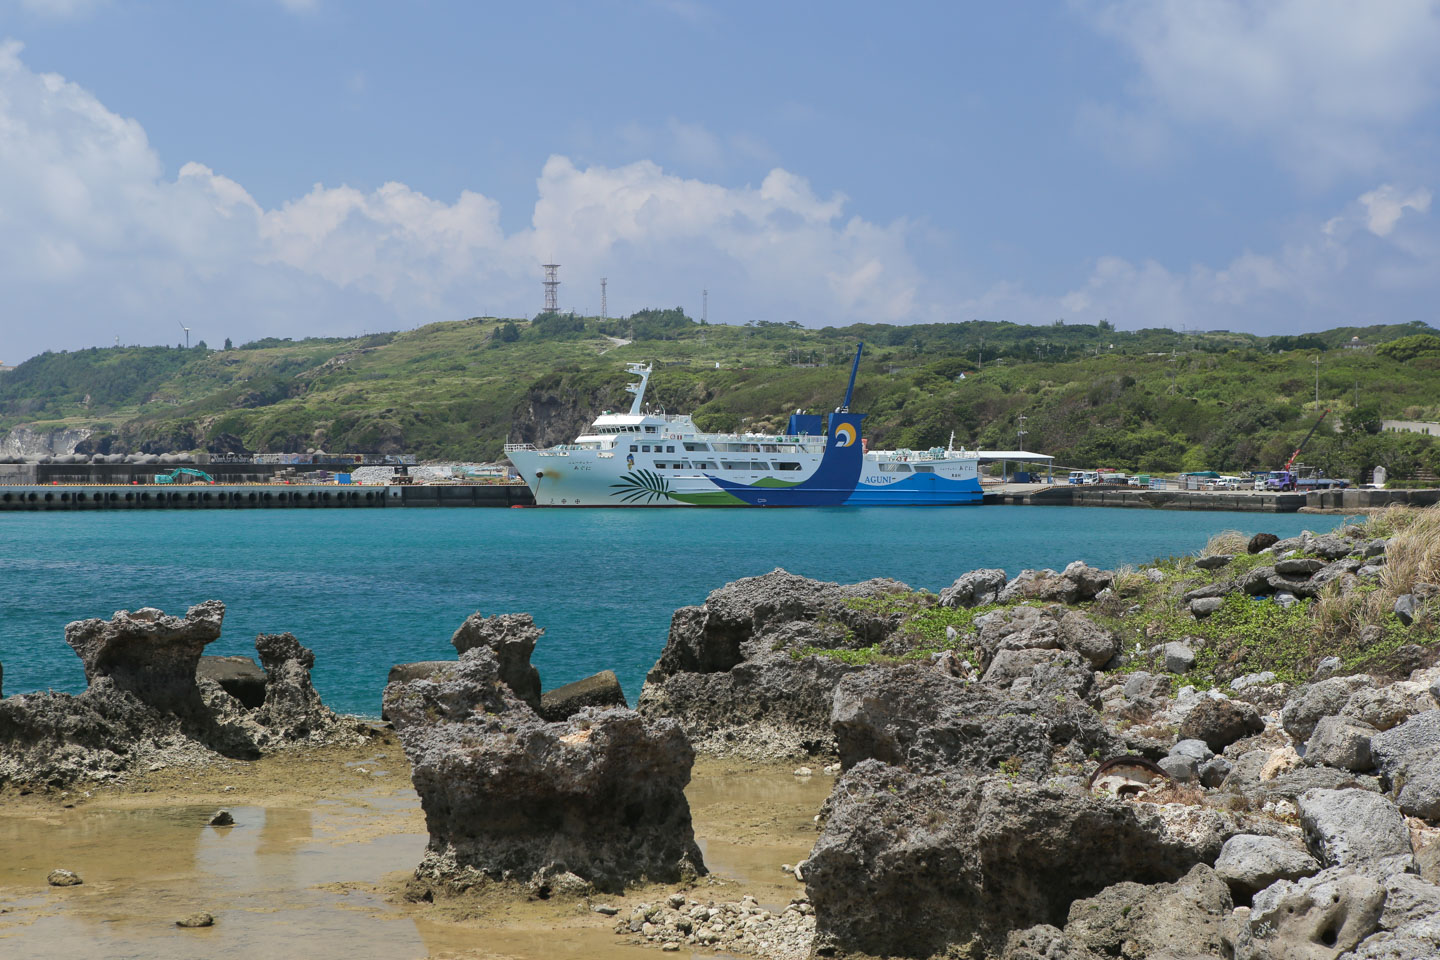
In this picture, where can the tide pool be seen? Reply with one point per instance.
(366, 589)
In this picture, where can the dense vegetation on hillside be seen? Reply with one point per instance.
(1147, 400)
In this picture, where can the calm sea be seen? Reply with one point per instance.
(370, 588)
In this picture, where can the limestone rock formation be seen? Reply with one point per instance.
(512, 637)
(1408, 756)
(1220, 722)
(735, 674)
(145, 706)
(1250, 863)
(147, 653)
(736, 620)
(1052, 627)
(452, 693)
(507, 796)
(924, 719)
(912, 865)
(1076, 583)
(291, 703)
(1348, 827)
(1182, 919)
(974, 589)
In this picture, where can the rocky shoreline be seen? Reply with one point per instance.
(1235, 754)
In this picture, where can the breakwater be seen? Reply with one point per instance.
(198, 496)
(1227, 500)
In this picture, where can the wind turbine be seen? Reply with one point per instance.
(187, 333)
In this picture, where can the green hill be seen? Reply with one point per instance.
(1147, 400)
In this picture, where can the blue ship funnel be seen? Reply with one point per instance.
(805, 425)
(831, 484)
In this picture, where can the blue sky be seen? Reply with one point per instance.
(259, 167)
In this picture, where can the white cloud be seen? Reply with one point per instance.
(1325, 85)
(1385, 205)
(95, 240)
(1355, 268)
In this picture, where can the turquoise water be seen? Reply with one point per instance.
(370, 588)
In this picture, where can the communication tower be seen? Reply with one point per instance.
(603, 314)
(705, 306)
(552, 287)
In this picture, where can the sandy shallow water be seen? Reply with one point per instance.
(314, 865)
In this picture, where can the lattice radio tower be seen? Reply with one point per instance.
(603, 314)
(552, 287)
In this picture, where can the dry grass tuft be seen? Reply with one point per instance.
(1412, 558)
(1128, 581)
(1227, 542)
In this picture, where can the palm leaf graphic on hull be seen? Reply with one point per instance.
(642, 486)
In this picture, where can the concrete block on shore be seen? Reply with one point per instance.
(601, 690)
(241, 677)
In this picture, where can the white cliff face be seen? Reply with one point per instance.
(31, 444)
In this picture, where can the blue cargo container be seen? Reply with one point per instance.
(342, 478)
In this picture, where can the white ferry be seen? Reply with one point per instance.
(645, 459)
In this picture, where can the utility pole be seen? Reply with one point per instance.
(1316, 360)
(704, 307)
(1021, 433)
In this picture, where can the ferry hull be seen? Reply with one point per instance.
(587, 479)
(919, 490)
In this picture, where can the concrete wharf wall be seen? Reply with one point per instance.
(205, 496)
(193, 496)
(1240, 500)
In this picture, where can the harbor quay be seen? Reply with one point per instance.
(259, 496)
(272, 494)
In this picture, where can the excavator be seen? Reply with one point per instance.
(183, 475)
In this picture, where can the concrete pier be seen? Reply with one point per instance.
(1069, 495)
(194, 496)
(263, 496)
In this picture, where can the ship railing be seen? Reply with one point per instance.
(520, 447)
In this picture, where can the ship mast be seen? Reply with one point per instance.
(641, 370)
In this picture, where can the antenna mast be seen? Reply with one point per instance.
(552, 287)
(603, 314)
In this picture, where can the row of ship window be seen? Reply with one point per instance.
(719, 448)
(754, 465)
